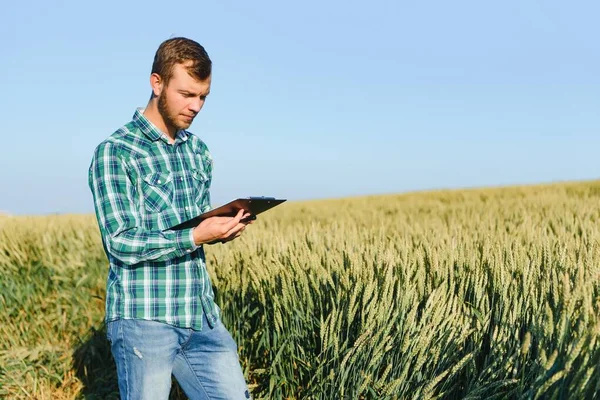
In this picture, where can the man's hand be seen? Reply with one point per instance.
(220, 229)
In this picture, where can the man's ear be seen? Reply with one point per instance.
(157, 84)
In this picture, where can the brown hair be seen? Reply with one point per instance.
(180, 50)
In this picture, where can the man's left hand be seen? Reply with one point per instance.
(236, 235)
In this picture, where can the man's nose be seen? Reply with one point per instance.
(196, 105)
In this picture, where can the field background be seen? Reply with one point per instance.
(479, 294)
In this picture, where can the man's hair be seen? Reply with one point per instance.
(180, 50)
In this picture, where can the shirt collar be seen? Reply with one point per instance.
(151, 131)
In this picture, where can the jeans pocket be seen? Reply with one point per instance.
(110, 326)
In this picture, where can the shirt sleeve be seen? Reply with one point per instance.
(207, 162)
(114, 199)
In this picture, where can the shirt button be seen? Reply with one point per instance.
(189, 250)
(181, 178)
(159, 181)
(187, 208)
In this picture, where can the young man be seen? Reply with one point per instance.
(147, 176)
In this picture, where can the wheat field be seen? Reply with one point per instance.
(470, 294)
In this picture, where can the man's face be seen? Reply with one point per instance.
(182, 99)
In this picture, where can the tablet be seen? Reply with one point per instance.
(253, 205)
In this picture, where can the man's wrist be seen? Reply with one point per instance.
(196, 239)
(199, 240)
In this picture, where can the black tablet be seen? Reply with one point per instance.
(253, 205)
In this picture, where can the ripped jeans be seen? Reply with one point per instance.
(147, 353)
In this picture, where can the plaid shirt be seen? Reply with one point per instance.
(141, 185)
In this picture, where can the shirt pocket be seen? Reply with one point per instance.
(157, 191)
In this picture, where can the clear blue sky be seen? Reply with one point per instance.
(311, 99)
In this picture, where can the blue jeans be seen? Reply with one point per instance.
(205, 363)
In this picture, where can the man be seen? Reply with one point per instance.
(147, 176)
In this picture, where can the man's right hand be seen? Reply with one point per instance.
(220, 229)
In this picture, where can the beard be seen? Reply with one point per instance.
(168, 117)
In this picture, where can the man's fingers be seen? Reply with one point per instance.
(232, 223)
(234, 233)
(230, 228)
(239, 227)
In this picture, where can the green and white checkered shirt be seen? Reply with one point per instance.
(141, 185)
